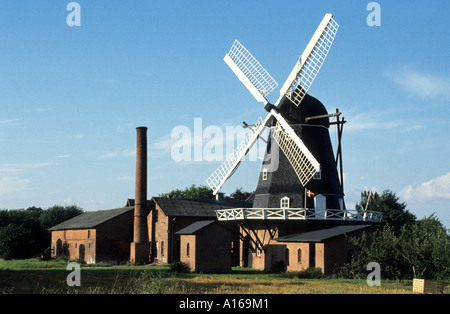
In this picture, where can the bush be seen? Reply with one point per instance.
(309, 273)
(278, 267)
(179, 267)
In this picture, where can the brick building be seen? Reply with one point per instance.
(327, 249)
(93, 237)
(170, 215)
(205, 246)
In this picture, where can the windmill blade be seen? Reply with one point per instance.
(298, 155)
(250, 72)
(227, 168)
(308, 65)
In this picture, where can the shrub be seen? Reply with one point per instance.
(179, 267)
(278, 267)
(310, 273)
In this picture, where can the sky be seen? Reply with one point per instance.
(71, 97)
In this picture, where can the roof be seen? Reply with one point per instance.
(177, 207)
(322, 234)
(90, 219)
(196, 226)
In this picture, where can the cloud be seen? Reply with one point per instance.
(419, 83)
(11, 187)
(16, 168)
(437, 188)
(362, 122)
(12, 183)
(120, 153)
(10, 122)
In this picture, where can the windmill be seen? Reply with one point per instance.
(298, 132)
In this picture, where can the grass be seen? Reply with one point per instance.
(35, 276)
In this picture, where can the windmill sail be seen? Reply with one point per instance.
(227, 168)
(308, 65)
(298, 155)
(250, 72)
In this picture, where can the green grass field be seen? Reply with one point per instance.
(32, 276)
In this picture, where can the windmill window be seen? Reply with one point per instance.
(264, 175)
(318, 175)
(284, 203)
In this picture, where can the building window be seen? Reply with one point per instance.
(162, 249)
(264, 174)
(188, 250)
(284, 203)
(318, 175)
(89, 234)
(299, 256)
(258, 250)
(156, 215)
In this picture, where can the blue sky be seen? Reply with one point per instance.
(71, 97)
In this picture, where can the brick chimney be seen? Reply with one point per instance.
(140, 247)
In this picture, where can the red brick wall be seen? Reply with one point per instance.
(184, 257)
(110, 242)
(209, 249)
(71, 240)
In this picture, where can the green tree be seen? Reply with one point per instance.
(57, 214)
(395, 214)
(238, 194)
(14, 242)
(425, 246)
(23, 232)
(192, 192)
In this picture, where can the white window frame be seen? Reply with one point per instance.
(264, 174)
(285, 202)
(318, 175)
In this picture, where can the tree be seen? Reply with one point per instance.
(192, 192)
(238, 194)
(57, 214)
(23, 232)
(403, 246)
(394, 212)
(14, 242)
(425, 246)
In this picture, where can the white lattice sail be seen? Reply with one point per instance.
(302, 161)
(311, 60)
(249, 71)
(226, 169)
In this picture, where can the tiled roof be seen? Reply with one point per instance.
(90, 219)
(322, 234)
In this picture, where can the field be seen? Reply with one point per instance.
(32, 276)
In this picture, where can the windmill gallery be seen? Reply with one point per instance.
(297, 216)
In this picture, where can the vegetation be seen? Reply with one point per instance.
(36, 276)
(23, 232)
(403, 246)
(192, 192)
(204, 192)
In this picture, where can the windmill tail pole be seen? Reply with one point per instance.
(368, 200)
(140, 248)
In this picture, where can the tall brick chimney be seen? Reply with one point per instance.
(140, 247)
